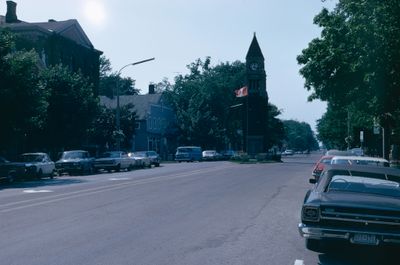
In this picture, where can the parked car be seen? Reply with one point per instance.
(288, 152)
(5, 171)
(31, 165)
(352, 204)
(334, 152)
(211, 155)
(228, 154)
(75, 162)
(360, 160)
(188, 153)
(141, 158)
(114, 160)
(320, 165)
(154, 158)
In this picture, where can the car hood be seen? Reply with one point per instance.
(360, 200)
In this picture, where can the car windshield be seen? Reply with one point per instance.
(366, 185)
(31, 158)
(110, 155)
(73, 155)
(183, 150)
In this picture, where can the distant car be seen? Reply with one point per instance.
(288, 152)
(141, 158)
(360, 160)
(114, 160)
(320, 165)
(228, 154)
(211, 155)
(75, 162)
(357, 151)
(31, 166)
(154, 158)
(188, 153)
(355, 205)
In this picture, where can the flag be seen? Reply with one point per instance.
(241, 92)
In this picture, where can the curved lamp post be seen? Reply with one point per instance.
(118, 123)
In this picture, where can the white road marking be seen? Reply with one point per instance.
(298, 262)
(37, 191)
(113, 179)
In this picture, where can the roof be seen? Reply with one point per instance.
(363, 168)
(69, 29)
(361, 158)
(254, 50)
(141, 103)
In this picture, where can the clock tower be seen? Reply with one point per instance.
(256, 103)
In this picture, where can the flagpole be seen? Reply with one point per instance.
(247, 124)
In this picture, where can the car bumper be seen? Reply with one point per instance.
(323, 233)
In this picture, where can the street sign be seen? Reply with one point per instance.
(377, 129)
(361, 136)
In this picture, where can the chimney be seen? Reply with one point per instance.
(151, 89)
(11, 15)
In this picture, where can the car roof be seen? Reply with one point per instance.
(364, 168)
(361, 158)
(33, 154)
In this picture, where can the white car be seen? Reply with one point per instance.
(141, 159)
(360, 160)
(114, 160)
(33, 165)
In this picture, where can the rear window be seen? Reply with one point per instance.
(367, 185)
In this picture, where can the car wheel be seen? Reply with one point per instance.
(52, 174)
(118, 168)
(157, 164)
(39, 174)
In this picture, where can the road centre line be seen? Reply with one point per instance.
(76, 194)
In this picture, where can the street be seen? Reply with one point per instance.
(179, 213)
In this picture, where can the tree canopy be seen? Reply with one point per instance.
(355, 64)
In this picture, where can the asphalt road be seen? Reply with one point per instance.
(184, 214)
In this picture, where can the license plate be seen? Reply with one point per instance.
(364, 239)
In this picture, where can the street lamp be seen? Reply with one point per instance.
(118, 123)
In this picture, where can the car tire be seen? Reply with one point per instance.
(39, 174)
(157, 164)
(118, 168)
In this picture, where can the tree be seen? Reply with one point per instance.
(208, 113)
(355, 64)
(22, 102)
(104, 127)
(71, 110)
(109, 81)
(299, 136)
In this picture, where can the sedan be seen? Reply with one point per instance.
(141, 159)
(32, 165)
(114, 160)
(352, 205)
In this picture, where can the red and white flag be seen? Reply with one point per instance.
(241, 92)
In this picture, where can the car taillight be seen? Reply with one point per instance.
(310, 213)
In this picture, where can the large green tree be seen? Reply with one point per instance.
(355, 63)
(72, 107)
(23, 103)
(208, 113)
(299, 136)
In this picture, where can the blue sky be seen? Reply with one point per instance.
(177, 32)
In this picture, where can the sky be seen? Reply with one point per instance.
(177, 32)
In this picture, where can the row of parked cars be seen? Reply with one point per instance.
(355, 200)
(75, 162)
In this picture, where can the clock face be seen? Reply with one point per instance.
(254, 66)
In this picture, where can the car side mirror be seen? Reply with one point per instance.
(312, 181)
